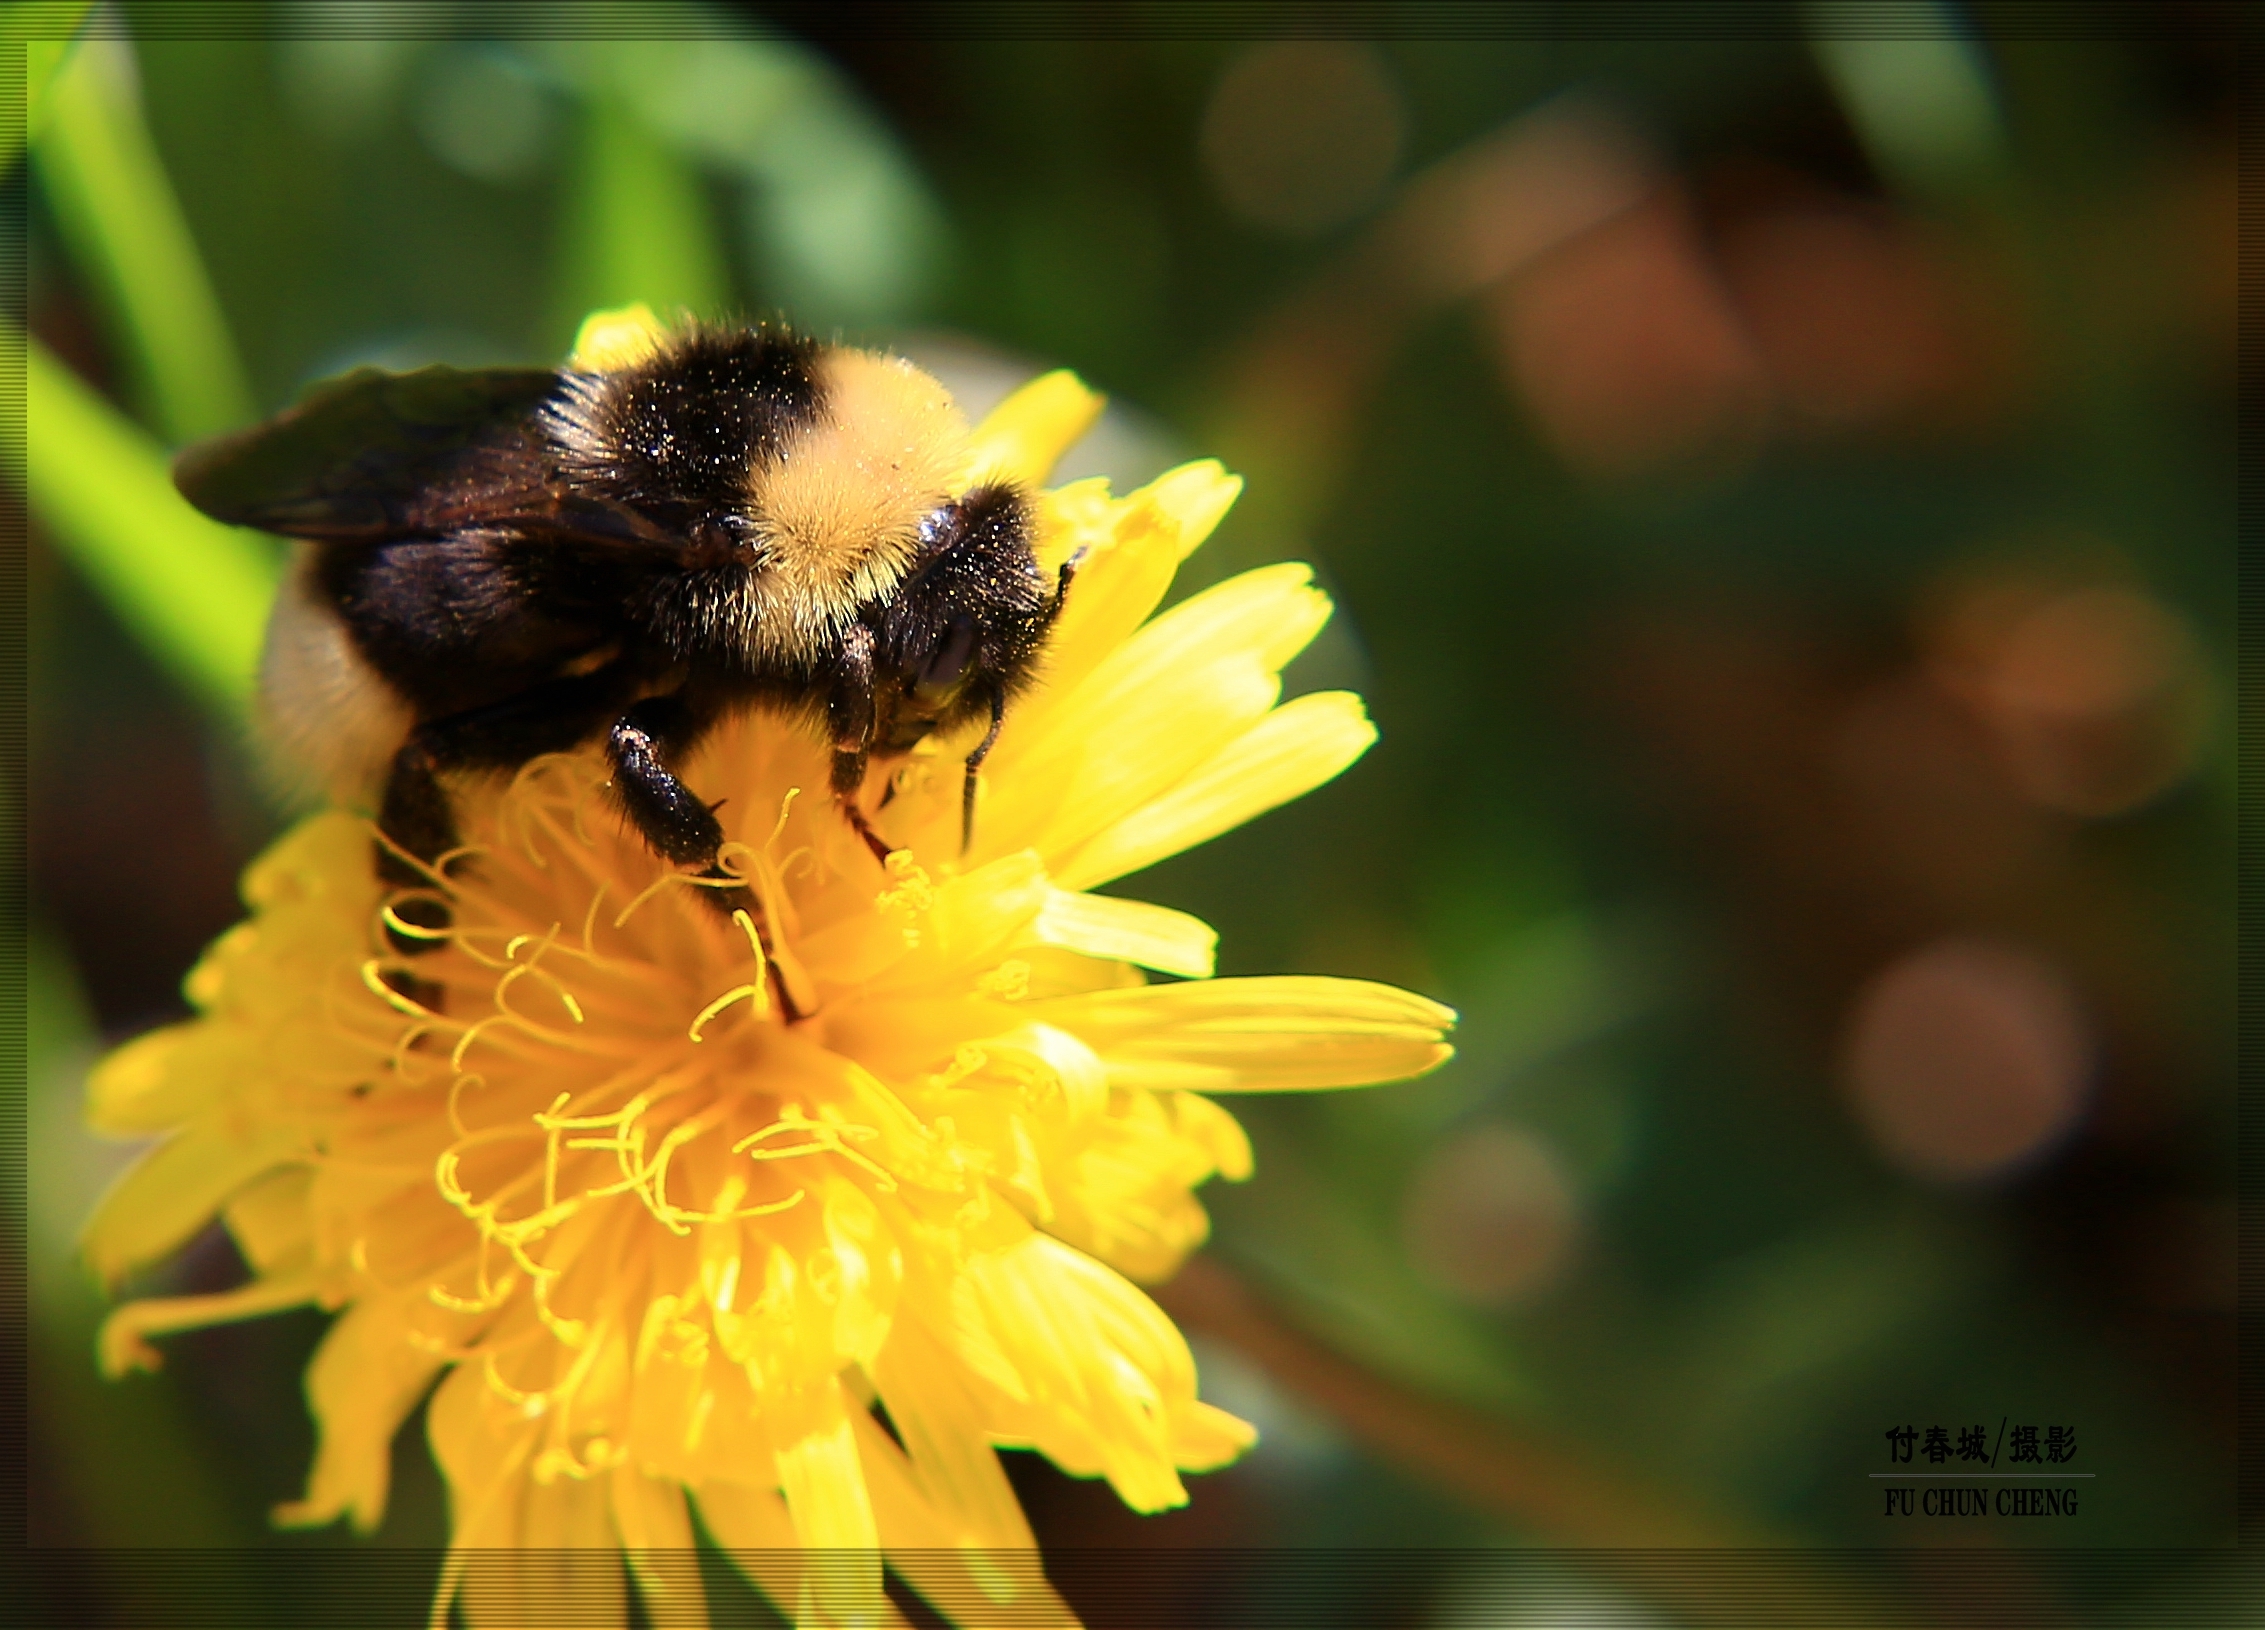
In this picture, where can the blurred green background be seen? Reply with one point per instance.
(1780, 502)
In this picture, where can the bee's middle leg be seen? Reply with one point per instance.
(415, 815)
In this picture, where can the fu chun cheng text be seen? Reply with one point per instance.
(2025, 1500)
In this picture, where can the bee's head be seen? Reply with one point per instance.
(962, 632)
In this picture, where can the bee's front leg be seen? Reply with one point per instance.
(676, 821)
(849, 717)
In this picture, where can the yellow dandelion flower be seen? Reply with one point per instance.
(663, 1250)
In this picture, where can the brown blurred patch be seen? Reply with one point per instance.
(2093, 692)
(1302, 135)
(1846, 808)
(2154, 260)
(1290, 395)
(1966, 1058)
(1844, 308)
(1490, 1217)
(127, 858)
(1930, 808)
(1867, 319)
(2184, 1254)
(1624, 344)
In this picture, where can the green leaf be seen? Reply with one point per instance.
(124, 228)
(194, 592)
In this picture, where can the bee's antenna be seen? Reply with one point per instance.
(1062, 581)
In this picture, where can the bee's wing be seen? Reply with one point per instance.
(377, 455)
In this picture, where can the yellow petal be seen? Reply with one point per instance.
(1040, 1053)
(1271, 611)
(1023, 438)
(1134, 931)
(620, 338)
(967, 1584)
(1099, 1370)
(968, 919)
(1220, 1134)
(942, 1426)
(1204, 1437)
(1194, 498)
(176, 1189)
(154, 1082)
(1294, 1033)
(1131, 548)
(833, 1516)
(655, 1526)
(1168, 699)
(1294, 749)
(553, 1564)
(752, 1526)
(1086, 776)
(363, 1382)
(269, 1220)
(1256, 622)
(123, 1344)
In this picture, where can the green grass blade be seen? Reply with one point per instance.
(638, 224)
(45, 30)
(125, 229)
(194, 592)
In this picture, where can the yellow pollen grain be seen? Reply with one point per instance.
(1009, 981)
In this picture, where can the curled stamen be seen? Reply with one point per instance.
(464, 1043)
(590, 923)
(755, 869)
(398, 1061)
(531, 966)
(786, 808)
(665, 880)
(826, 1138)
(397, 924)
(375, 981)
(756, 997)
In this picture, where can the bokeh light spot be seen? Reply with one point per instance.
(1301, 136)
(2095, 696)
(1845, 308)
(1490, 1218)
(484, 114)
(1627, 350)
(1965, 1059)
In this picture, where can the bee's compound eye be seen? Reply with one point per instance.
(940, 530)
(946, 666)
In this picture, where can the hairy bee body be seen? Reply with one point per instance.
(502, 563)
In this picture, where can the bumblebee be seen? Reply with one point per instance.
(508, 562)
